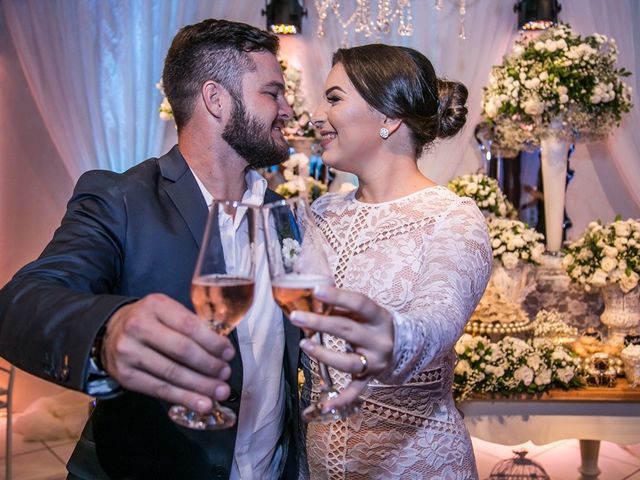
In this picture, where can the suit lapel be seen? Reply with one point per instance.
(184, 192)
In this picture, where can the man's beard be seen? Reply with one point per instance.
(252, 140)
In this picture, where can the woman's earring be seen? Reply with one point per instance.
(384, 132)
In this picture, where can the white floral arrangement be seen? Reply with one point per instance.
(290, 251)
(512, 242)
(549, 324)
(606, 255)
(512, 366)
(557, 80)
(299, 125)
(298, 181)
(486, 192)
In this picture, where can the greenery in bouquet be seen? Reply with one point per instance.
(485, 191)
(298, 181)
(300, 125)
(606, 255)
(512, 366)
(558, 80)
(512, 241)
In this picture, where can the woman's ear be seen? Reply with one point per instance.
(391, 124)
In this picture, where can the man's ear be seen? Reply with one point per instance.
(214, 96)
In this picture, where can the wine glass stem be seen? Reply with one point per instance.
(324, 370)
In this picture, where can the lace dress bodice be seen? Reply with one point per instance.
(426, 258)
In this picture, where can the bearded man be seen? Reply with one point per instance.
(106, 310)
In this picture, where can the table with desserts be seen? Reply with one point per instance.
(609, 412)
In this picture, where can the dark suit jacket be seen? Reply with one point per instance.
(124, 236)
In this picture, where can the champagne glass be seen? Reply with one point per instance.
(222, 289)
(298, 264)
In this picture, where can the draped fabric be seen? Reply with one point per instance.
(90, 68)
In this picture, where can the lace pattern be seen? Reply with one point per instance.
(426, 258)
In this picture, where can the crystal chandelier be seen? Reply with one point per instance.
(363, 21)
(388, 11)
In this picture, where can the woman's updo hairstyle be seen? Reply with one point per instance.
(401, 83)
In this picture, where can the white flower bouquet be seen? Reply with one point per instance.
(297, 179)
(606, 255)
(485, 191)
(512, 242)
(557, 77)
(512, 366)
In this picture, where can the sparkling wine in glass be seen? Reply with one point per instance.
(297, 264)
(222, 289)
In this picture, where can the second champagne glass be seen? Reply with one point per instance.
(298, 264)
(222, 289)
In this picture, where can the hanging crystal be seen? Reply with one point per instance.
(463, 11)
(362, 21)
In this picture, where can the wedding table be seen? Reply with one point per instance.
(590, 414)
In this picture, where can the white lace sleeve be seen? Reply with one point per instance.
(455, 272)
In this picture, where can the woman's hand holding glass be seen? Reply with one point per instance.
(298, 265)
(364, 324)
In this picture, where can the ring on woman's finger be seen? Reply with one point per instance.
(365, 368)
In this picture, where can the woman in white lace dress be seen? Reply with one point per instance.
(411, 260)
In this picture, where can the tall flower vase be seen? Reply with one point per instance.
(621, 312)
(553, 161)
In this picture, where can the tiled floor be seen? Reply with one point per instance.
(46, 460)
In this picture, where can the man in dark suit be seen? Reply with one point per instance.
(105, 309)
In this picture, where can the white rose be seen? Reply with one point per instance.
(495, 243)
(623, 229)
(543, 377)
(517, 50)
(518, 242)
(533, 107)
(463, 368)
(538, 46)
(543, 76)
(608, 264)
(534, 361)
(599, 278)
(471, 188)
(561, 44)
(610, 251)
(565, 374)
(524, 374)
(551, 46)
(595, 99)
(564, 98)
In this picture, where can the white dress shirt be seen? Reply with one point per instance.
(261, 342)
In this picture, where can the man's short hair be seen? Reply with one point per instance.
(210, 50)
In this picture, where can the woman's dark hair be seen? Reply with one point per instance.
(401, 83)
(210, 50)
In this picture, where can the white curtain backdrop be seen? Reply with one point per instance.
(90, 68)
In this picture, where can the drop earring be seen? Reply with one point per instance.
(384, 132)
